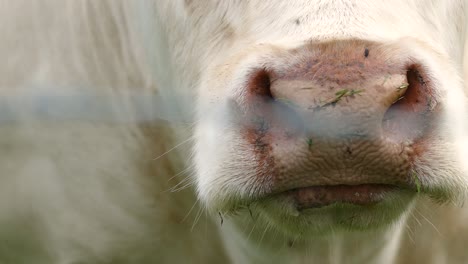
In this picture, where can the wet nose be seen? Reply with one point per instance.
(347, 88)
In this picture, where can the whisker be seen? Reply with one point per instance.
(189, 168)
(251, 231)
(416, 219)
(190, 211)
(184, 184)
(173, 148)
(197, 218)
(263, 234)
(427, 220)
(410, 233)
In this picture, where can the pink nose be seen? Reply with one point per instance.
(343, 89)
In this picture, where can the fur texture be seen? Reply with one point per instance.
(156, 191)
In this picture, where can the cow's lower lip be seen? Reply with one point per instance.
(320, 196)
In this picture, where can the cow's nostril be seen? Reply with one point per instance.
(264, 111)
(259, 84)
(407, 117)
(412, 99)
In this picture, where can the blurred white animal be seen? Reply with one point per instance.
(293, 131)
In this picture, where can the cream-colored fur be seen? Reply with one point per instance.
(85, 191)
(78, 190)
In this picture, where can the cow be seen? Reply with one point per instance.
(203, 131)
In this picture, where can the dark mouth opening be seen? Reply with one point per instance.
(320, 196)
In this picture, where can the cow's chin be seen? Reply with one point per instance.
(293, 214)
(281, 213)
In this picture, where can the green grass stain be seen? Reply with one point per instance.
(417, 182)
(403, 86)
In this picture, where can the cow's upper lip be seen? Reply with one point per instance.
(324, 195)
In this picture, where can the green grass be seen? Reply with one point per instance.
(417, 182)
(340, 95)
(403, 86)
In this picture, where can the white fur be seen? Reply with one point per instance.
(93, 192)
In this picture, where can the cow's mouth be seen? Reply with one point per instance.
(321, 196)
(317, 209)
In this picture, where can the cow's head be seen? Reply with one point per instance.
(322, 115)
